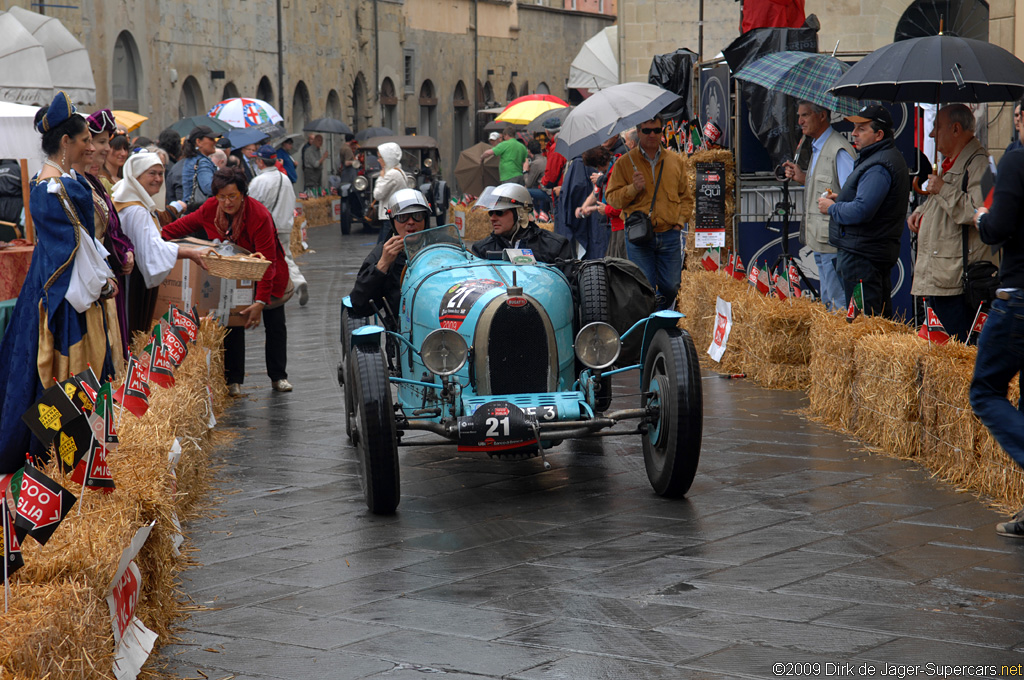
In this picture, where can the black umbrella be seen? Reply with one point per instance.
(374, 132)
(537, 124)
(185, 126)
(936, 69)
(331, 126)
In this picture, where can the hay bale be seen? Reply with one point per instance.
(955, 445)
(692, 254)
(886, 391)
(59, 623)
(317, 211)
(478, 225)
(832, 366)
(295, 244)
(698, 294)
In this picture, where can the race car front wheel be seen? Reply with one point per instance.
(671, 377)
(373, 428)
(593, 287)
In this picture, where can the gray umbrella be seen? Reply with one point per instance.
(609, 112)
(331, 126)
(537, 124)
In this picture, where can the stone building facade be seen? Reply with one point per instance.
(413, 65)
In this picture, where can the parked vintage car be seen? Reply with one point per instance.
(503, 357)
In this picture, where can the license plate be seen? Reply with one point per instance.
(497, 426)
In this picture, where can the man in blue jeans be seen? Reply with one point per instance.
(1001, 346)
(635, 178)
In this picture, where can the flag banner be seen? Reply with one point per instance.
(99, 476)
(932, 329)
(856, 305)
(161, 367)
(183, 321)
(48, 415)
(980, 317)
(42, 505)
(739, 271)
(723, 326)
(73, 442)
(12, 544)
(133, 394)
(730, 268)
(194, 315)
(79, 395)
(133, 642)
(712, 259)
(105, 410)
(754, 274)
(764, 282)
(794, 280)
(782, 290)
(174, 345)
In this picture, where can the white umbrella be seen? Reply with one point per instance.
(596, 66)
(66, 58)
(24, 75)
(245, 112)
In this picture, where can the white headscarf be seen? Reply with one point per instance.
(129, 189)
(391, 154)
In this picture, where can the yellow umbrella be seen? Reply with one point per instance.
(128, 119)
(524, 112)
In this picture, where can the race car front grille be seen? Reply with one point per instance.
(517, 351)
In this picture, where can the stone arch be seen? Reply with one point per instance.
(489, 93)
(360, 103)
(524, 88)
(333, 107)
(388, 104)
(265, 91)
(542, 88)
(301, 107)
(127, 73)
(230, 91)
(428, 109)
(190, 102)
(462, 132)
(510, 92)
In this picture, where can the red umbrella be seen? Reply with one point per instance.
(537, 98)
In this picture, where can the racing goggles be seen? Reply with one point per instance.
(418, 216)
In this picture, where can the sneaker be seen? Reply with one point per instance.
(234, 390)
(303, 295)
(282, 386)
(1014, 528)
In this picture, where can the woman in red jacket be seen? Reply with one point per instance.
(232, 216)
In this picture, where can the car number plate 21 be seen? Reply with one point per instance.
(497, 426)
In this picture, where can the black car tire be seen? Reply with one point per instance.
(593, 289)
(349, 323)
(672, 444)
(373, 420)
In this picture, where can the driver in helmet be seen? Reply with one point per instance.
(380, 276)
(510, 220)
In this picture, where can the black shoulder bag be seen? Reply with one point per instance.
(197, 196)
(981, 279)
(639, 226)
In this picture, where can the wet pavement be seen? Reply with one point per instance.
(796, 553)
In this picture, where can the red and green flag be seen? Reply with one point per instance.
(12, 544)
(856, 305)
(783, 290)
(739, 272)
(133, 394)
(93, 472)
(189, 327)
(175, 344)
(161, 367)
(932, 329)
(41, 504)
(105, 410)
(980, 317)
(712, 259)
(794, 280)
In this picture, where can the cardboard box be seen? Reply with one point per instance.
(188, 284)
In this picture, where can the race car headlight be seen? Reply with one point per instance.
(444, 352)
(597, 345)
(361, 183)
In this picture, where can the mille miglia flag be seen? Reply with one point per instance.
(174, 344)
(12, 544)
(51, 413)
(184, 322)
(161, 367)
(105, 410)
(99, 476)
(42, 505)
(133, 394)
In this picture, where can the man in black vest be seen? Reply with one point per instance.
(867, 218)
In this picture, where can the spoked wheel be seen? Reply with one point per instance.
(672, 443)
(372, 421)
(593, 287)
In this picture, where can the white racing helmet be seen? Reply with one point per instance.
(506, 196)
(406, 201)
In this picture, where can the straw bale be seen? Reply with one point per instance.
(698, 294)
(692, 254)
(295, 245)
(59, 623)
(478, 224)
(832, 365)
(886, 391)
(317, 210)
(955, 445)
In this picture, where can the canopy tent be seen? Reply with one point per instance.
(596, 66)
(24, 75)
(18, 135)
(66, 58)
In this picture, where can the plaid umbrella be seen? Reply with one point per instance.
(804, 75)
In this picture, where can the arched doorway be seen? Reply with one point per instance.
(510, 93)
(190, 103)
(333, 108)
(265, 91)
(127, 68)
(428, 109)
(461, 130)
(300, 106)
(360, 106)
(542, 88)
(388, 105)
(489, 94)
(230, 92)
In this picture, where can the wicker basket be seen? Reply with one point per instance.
(238, 267)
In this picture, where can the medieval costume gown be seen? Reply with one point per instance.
(59, 326)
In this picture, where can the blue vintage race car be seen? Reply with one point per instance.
(504, 357)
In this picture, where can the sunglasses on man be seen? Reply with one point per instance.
(498, 213)
(651, 131)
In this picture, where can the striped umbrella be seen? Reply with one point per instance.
(804, 75)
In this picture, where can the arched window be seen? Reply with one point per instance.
(333, 108)
(126, 70)
(489, 94)
(461, 131)
(230, 92)
(524, 88)
(510, 93)
(190, 103)
(388, 104)
(542, 88)
(360, 105)
(265, 91)
(428, 109)
(300, 106)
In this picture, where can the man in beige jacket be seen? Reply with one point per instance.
(938, 223)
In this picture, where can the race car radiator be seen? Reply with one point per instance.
(519, 355)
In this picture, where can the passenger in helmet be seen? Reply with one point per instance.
(380, 277)
(513, 228)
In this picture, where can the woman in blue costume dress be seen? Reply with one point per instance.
(62, 320)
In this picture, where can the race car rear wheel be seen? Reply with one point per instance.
(593, 287)
(671, 373)
(373, 428)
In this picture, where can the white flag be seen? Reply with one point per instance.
(723, 324)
